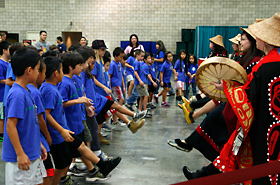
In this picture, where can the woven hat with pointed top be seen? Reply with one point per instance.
(248, 30)
(268, 30)
(218, 40)
(236, 39)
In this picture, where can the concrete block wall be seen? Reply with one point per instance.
(116, 20)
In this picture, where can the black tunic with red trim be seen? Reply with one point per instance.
(261, 143)
(214, 131)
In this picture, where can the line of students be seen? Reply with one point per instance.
(63, 116)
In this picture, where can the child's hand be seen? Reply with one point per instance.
(85, 100)
(176, 78)
(107, 90)
(141, 83)
(23, 162)
(44, 154)
(218, 86)
(66, 134)
(155, 84)
(161, 83)
(132, 68)
(189, 74)
(176, 74)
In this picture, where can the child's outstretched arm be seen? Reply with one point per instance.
(22, 159)
(64, 133)
(129, 66)
(80, 100)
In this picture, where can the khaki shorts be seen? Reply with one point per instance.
(34, 175)
(87, 134)
(142, 90)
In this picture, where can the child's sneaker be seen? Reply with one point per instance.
(96, 176)
(109, 166)
(68, 180)
(104, 157)
(76, 171)
(139, 115)
(107, 127)
(119, 123)
(153, 106)
(148, 114)
(102, 140)
(134, 127)
(164, 104)
(129, 106)
(156, 98)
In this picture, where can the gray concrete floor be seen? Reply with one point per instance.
(146, 156)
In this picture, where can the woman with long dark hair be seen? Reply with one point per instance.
(134, 44)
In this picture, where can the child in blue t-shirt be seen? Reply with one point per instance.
(130, 72)
(65, 144)
(190, 79)
(115, 75)
(21, 146)
(4, 64)
(165, 75)
(44, 134)
(141, 80)
(180, 74)
(151, 86)
(149, 79)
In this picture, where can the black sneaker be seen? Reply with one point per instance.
(129, 106)
(76, 171)
(96, 176)
(110, 165)
(68, 181)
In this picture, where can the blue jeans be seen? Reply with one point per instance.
(188, 88)
(133, 97)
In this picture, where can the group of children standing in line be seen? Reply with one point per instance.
(55, 106)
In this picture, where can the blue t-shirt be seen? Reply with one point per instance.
(152, 69)
(62, 47)
(182, 72)
(98, 72)
(106, 76)
(40, 110)
(115, 70)
(10, 74)
(137, 69)
(130, 61)
(73, 113)
(145, 70)
(192, 68)
(53, 100)
(21, 105)
(99, 101)
(80, 88)
(167, 71)
(3, 72)
(159, 56)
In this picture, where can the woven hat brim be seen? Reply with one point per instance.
(248, 31)
(234, 40)
(268, 31)
(217, 42)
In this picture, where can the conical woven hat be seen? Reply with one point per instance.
(248, 30)
(268, 30)
(217, 40)
(236, 39)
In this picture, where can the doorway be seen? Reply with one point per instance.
(71, 38)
